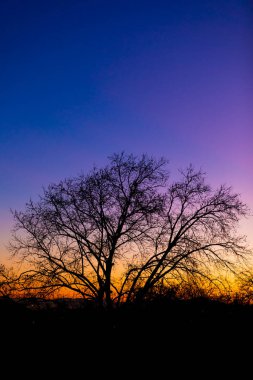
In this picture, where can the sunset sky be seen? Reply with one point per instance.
(83, 79)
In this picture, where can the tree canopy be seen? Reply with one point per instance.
(117, 233)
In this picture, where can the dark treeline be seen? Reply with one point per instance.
(163, 334)
(168, 316)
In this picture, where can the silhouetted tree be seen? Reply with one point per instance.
(7, 281)
(118, 232)
(245, 286)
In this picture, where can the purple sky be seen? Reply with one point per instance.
(83, 79)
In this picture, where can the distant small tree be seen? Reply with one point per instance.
(118, 232)
(245, 286)
(7, 281)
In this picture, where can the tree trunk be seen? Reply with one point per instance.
(108, 298)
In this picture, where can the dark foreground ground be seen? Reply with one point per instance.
(174, 335)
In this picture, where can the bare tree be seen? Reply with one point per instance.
(245, 286)
(120, 231)
(7, 281)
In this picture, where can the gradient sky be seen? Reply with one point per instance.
(80, 80)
